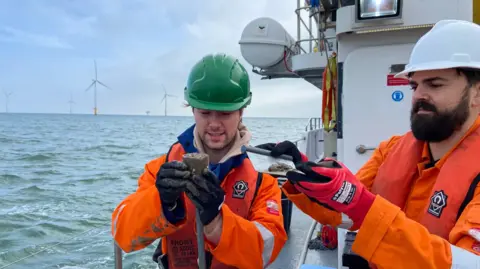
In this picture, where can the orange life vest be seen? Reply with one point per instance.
(240, 186)
(452, 191)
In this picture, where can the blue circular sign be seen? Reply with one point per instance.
(397, 96)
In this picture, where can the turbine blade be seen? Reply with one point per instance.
(162, 100)
(89, 87)
(103, 85)
(7, 94)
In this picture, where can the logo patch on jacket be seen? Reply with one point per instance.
(438, 202)
(240, 189)
(272, 207)
(475, 233)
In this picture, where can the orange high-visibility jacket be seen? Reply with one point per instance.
(251, 242)
(425, 215)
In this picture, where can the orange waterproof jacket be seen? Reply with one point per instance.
(427, 215)
(251, 242)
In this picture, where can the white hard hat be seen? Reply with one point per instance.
(449, 44)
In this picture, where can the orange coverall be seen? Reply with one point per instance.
(138, 221)
(387, 238)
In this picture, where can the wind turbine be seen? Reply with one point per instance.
(95, 81)
(71, 102)
(7, 99)
(165, 98)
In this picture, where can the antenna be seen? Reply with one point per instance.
(71, 102)
(7, 99)
(165, 98)
(95, 81)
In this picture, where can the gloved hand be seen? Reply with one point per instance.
(285, 147)
(330, 182)
(172, 179)
(207, 195)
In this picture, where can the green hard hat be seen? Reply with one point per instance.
(218, 82)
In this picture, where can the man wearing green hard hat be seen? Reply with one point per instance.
(239, 207)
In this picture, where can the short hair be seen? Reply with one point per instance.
(472, 75)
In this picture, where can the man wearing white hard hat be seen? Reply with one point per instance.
(416, 202)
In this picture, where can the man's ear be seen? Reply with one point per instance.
(476, 95)
(241, 112)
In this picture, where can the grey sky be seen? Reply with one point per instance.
(47, 50)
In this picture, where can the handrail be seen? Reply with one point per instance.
(300, 21)
(303, 255)
(298, 140)
(314, 36)
(313, 124)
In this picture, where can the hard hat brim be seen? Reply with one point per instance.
(435, 66)
(227, 107)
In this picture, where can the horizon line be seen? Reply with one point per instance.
(142, 115)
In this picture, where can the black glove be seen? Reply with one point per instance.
(207, 195)
(172, 179)
(285, 147)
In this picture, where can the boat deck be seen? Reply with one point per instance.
(291, 252)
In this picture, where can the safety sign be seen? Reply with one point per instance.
(393, 81)
(397, 96)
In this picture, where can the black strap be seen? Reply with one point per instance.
(469, 196)
(169, 150)
(257, 187)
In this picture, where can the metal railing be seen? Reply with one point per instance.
(316, 36)
(314, 124)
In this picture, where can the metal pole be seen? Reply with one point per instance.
(200, 242)
(198, 162)
(310, 30)
(265, 152)
(95, 98)
(118, 256)
(298, 19)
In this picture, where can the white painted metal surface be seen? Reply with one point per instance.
(311, 61)
(415, 12)
(373, 111)
(264, 42)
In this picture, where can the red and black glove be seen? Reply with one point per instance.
(285, 147)
(288, 148)
(331, 183)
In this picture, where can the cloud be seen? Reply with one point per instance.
(9, 34)
(139, 46)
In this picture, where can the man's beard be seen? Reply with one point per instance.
(438, 126)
